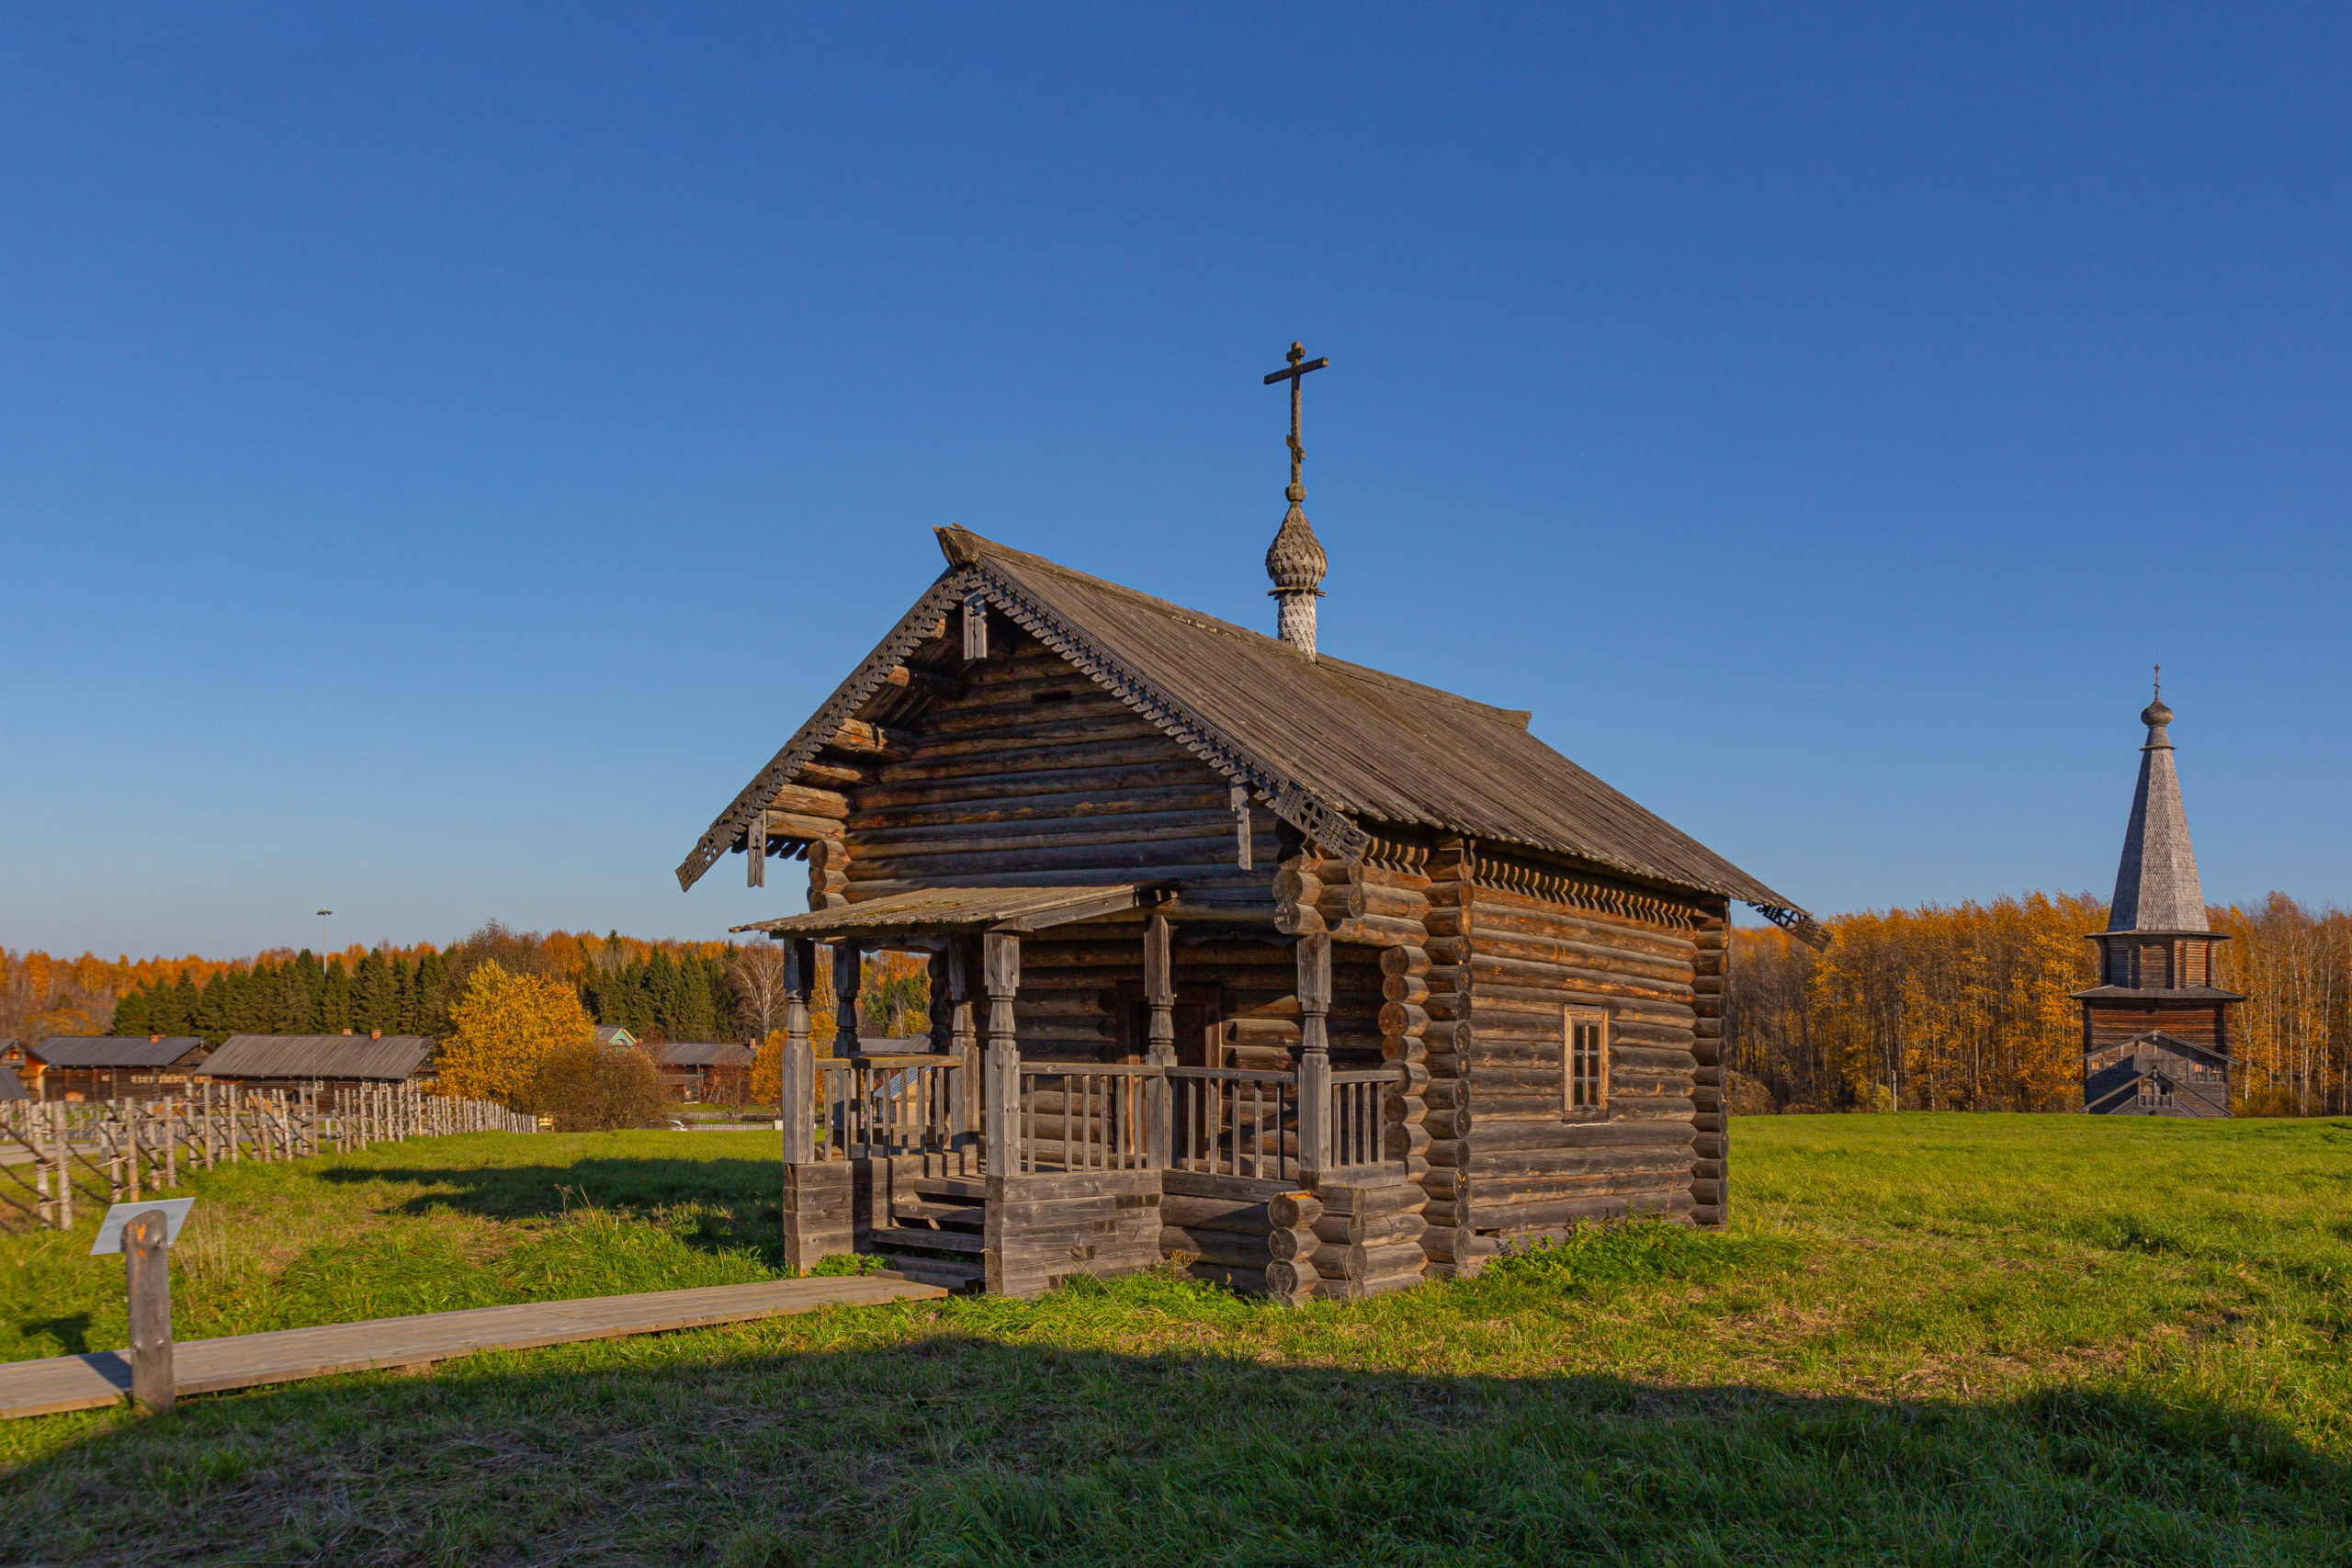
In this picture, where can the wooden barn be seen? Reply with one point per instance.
(105, 1066)
(1319, 978)
(319, 1061)
(2156, 1028)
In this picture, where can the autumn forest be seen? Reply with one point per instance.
(1937, 1008)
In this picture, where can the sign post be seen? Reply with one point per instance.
(144, 1234)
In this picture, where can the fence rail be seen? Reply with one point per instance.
(875, 1106)
(62, 1154)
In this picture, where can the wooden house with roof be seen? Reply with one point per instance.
(2155, 1028)
(321, 1061)
(1320, 978)
(107, 1066)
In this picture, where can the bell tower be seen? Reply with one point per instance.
(2155, 1028)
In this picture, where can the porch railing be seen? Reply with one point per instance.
(867, 1107)
(1081, 1116)
(1040, 1116)
(1225, 1122)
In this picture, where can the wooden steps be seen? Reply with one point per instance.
(939, 1233)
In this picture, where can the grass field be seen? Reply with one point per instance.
(1928, 1338)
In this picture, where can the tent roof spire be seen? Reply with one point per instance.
(2155, 885)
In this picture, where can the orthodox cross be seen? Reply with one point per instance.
(1294, 374)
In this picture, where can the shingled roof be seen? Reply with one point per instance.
(116, 1051)
(2156, 883)
(1328, 745)
(392, 1058)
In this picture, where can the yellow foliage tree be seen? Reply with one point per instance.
(506, 1026)
(768, 1069)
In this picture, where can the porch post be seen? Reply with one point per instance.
(1314, 951)
(797, 1090)
(1001, 975)
(847, 967)
(962, 1040)
(1159, 1050)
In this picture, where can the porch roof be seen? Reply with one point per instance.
(967, 909)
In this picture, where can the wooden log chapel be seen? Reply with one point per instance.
(1321, 980)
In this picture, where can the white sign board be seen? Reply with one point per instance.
(110, 1228)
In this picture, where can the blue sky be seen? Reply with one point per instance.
(444, 452)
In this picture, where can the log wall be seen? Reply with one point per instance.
(1515, 945)
(1029, 772)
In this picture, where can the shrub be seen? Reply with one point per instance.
(507, 1025)
(599, 1089)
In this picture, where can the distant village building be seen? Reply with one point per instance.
(614, 1035)
(701, 1069)
(11, 1086)
(104, 1066)
(2155, 1028)
(303, 1061)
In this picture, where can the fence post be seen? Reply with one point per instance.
(147, 1273)
(1314, 948)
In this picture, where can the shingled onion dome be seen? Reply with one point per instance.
(1296, 563)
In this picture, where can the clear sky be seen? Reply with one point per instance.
(444, 452)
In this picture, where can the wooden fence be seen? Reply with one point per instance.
(58, 1156)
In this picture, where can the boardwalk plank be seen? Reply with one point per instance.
(211, 1366)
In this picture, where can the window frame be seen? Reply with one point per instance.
(1574, 1082)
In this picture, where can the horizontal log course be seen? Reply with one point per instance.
(1496, 1000)
(1659, 1158)
(1537, 1066)
(1294, 1211)
(937, 837)
(1514, 1192)
(1499, 1135)
(1369, 1260)
(1228, 1247)
(1456, 1244)
(833, 775)
(1111, 794)
(1352, 1201)
(1205, 880)
(1124, 855)
(1525, 961)
(859, 738)
(1503, 909)
(1236, 1214)
(1369, 1229)
(1554, 1212)
(1000, 763)
(803, 800)
(1409, 989)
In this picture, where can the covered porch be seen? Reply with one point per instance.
(970, 1164)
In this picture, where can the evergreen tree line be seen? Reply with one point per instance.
(655, 993)
(1968, 1009)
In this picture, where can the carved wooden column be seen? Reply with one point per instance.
(847, 969)
(796, 1088)
(1000, 978)
(1314, 950)
(1160, 1037)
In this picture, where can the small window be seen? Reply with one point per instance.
(1052, 694)
(1584, 1060)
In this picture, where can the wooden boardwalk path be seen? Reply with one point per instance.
(243, 1361)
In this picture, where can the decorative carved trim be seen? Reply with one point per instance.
(1508, 875)
(850, 695)
(1285, 796)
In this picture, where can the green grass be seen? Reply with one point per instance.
(1933, 1339)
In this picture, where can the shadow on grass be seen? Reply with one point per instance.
(951, 1448)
